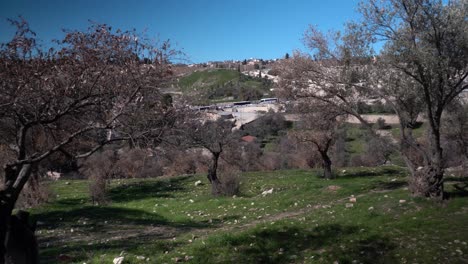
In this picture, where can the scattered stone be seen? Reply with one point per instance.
(67, 183)
(267, 192)
(343, 171)
(371, 208)
(141, 257)
(333, 188)
(402, 201)
(393, 180)
(191, 201)
(198, 183)
(352, 199)
(349, 205)
(118, 260)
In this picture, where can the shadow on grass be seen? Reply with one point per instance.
(126, 229)
(292, 244)
(147, 189)
(366, 172)
(83, 251)
(98, 215)
(460, 186)
(392, 185)
(461, 190)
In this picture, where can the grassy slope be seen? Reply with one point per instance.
(302, 221)
(207, 78)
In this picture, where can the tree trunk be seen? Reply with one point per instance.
(427, 180)
(5, 215)
(15, 179)
(213, 175)
(326, 164)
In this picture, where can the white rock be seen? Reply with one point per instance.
(402, 201)
(118, 260)
(349, 205)
(371, 208)
(141, 257)
(53, 175)
(267, 192)
(197, 183)
(352, 199)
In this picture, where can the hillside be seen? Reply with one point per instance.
(215, 85)
(364, 216)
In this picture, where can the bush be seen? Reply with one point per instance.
(179, 162)
(35, 192)
(381, 124)
(98, 168)
(230, 182)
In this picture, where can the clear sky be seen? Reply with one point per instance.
(205, 30)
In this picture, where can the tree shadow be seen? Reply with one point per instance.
(382, 171)
(125, 228)
(147, 189)
(461, 190)
(99, 215)
(392, 185)
(84, 250)
(290, 244)
(460, 186)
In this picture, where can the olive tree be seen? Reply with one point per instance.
(319, 125)
(420, 70)
(214, 136)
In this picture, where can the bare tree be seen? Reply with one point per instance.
(92, 90)
(319, 125)
(213, 136)
(421, 70)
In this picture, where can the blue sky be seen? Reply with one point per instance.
(205, 30)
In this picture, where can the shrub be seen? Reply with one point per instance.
(98, 168)
(230, 182)
(35, 192)
(381, 124)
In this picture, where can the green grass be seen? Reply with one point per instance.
(301, 222)
(207, 78)
(220, 85)
(418, 132)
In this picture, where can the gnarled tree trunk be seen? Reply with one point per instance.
(326, 164)
(213, 174)
(15, 179)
